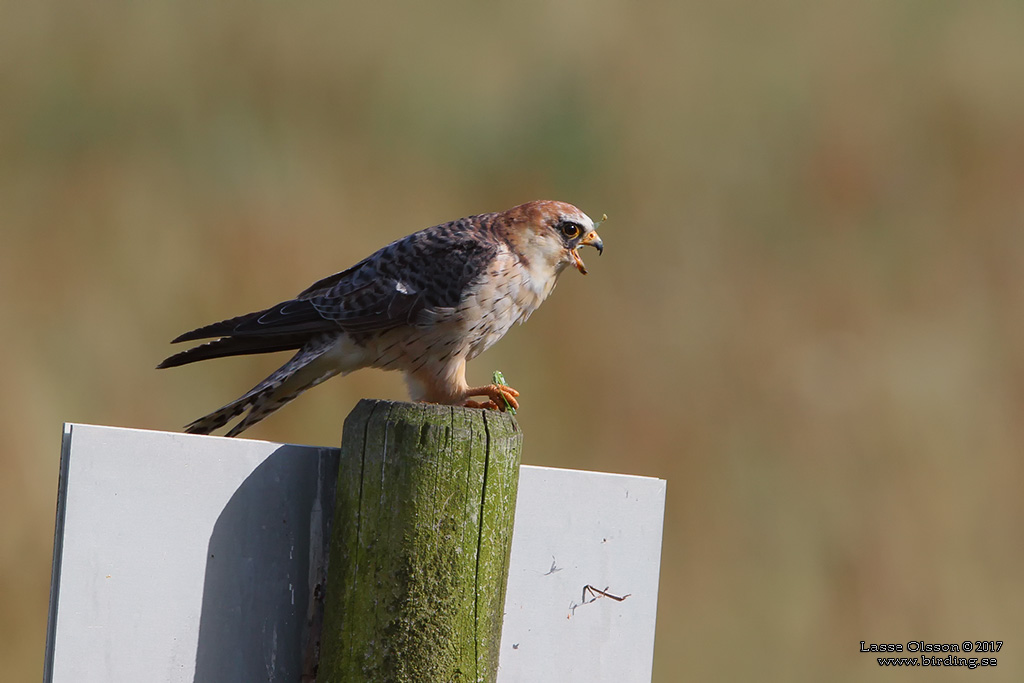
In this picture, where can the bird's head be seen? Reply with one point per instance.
(554, 232)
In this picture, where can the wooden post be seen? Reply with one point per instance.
(420, 544)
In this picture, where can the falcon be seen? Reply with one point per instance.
(423, 305)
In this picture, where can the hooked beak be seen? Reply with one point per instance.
(592, 239)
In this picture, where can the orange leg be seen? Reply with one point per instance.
(497, 396)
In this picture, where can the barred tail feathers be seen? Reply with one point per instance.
(300, 373)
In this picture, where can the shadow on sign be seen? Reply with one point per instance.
(266, 551)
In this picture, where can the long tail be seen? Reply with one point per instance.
(300, 373)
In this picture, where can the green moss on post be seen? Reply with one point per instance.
(420, 544)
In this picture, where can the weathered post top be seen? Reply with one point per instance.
(420, 544)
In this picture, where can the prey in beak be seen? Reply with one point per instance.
(592, 239)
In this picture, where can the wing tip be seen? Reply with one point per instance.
(218, 329)
(176, 360)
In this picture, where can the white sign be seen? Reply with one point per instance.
(191, 558)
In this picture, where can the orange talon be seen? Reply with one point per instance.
(497, 395)
(486, 405)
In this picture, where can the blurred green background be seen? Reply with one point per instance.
(809, 317)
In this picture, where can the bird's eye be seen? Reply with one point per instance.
(570, 230)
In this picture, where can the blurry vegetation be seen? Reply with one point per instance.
(809, 317)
